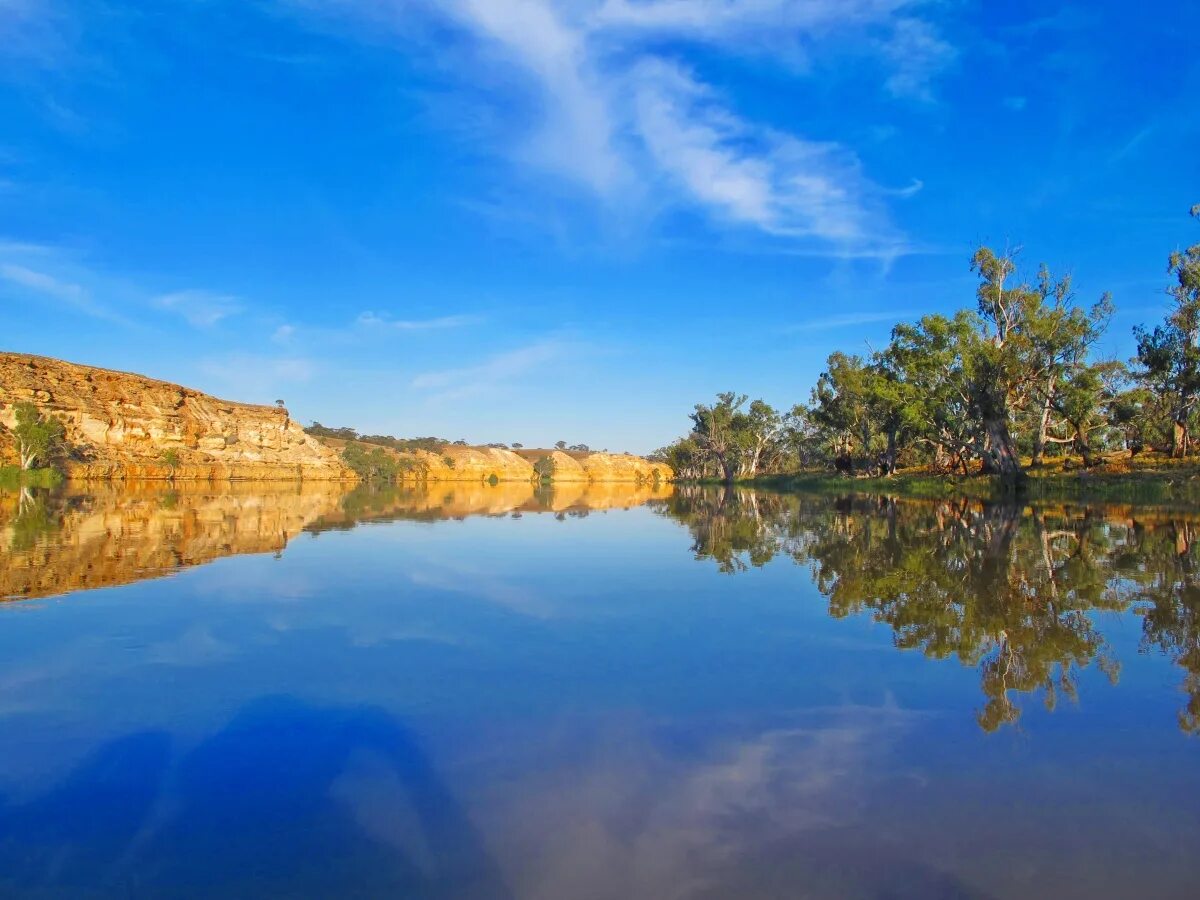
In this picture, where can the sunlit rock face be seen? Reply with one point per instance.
(565, 468)
(122, 426)
(623, 467)
(474, 464)
(455, 463)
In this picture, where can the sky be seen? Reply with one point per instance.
(543, 220)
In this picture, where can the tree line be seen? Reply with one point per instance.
(1014, 377)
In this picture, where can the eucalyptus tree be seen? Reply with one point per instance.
(1061, 336)
(735, 437)
(1083, 401)
(687, 459)
(1169, 355)
(38, 437)
(931, 356)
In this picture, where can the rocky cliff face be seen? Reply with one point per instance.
(120, 426)
(482, 464)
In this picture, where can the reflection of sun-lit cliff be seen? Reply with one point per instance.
(112, 534)
(51, 545)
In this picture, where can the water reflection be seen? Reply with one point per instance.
(1013, 591)
(463, 703)
(1009, 589)
(95, 536)
(152, 824)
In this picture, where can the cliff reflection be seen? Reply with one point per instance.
(1012, 591)
(97, 536)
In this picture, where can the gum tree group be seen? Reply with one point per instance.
(1015, 377)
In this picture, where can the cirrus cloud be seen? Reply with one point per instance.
(604, 106)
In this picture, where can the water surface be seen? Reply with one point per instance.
(596, 692)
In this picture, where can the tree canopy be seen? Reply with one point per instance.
(993, 387)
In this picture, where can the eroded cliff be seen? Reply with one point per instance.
(455, 463)
(126, 426)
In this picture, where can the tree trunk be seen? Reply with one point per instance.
(1179, 438)
(889, 456)
(1039, 441)
(1084, 447)
(1001, 450)
(727, 470)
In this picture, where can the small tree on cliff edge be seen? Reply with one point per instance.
(38, 438)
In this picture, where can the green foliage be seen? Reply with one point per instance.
(1168, 355)
(375, 464)
(1013, 376)
(170, 459)
(13, 477)
(404, 445)
(33, 520)
(38, 438)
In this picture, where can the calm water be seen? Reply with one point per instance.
(497, 692)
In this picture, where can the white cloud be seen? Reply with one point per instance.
(201, 309)
(252, 378)
(613, 113)
(846, 320)
(781, 184)
(56, 287)
(917, 54)
(373, 320)
(576, 134)
(43, 283)
(501, 368)
(729, 20)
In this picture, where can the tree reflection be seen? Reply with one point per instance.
(1008, 590)
(1158, 571)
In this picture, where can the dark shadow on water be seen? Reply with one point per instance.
(252, 811)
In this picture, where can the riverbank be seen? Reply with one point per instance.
(1146, 478)
(13, 477)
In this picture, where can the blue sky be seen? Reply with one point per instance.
(533, 220)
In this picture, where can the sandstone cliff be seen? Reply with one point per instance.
(120, 425)
(482, 464)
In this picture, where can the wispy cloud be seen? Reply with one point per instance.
(283, 334)
(848, 320)
(495, 371)
(781, 184)
(255, 378)
(374, 320)
(917, 54)
(57, 288)
(33, 32)
(200, 309)
(601, 102)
